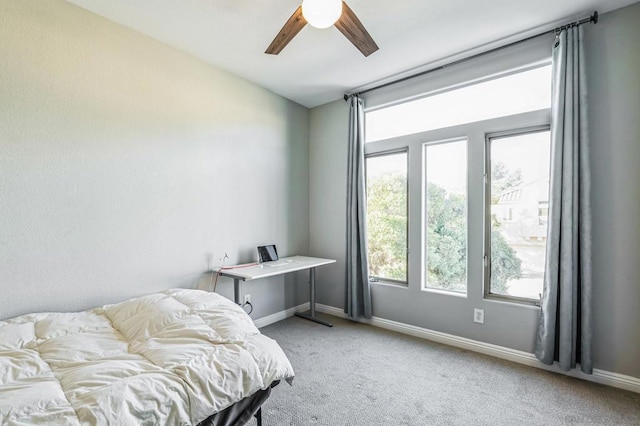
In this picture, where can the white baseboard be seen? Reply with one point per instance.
(604, 377)
(279, 316)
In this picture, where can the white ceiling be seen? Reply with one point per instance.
(318, 66)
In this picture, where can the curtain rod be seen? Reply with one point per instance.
(593, 18)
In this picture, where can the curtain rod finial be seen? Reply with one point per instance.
(594, 17)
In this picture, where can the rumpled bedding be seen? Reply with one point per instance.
(171, 358)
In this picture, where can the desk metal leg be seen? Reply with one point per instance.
(312, 301)
(236, 290)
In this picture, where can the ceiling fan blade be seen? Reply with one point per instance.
(352, 28)
(287, 33)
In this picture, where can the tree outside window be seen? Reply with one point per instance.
(387, 197)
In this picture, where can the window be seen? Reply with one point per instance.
(445, 190)
(518, 182)
(387, 216)
(499, 97)
(446, 215)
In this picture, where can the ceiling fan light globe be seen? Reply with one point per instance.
(321, 13)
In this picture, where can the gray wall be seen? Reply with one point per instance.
(613, 62)
(128, 167)
(328, 188)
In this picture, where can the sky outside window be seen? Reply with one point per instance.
(513, 94)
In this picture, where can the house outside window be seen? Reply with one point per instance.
(518, 181)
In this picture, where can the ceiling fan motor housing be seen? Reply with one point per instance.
(321, 13)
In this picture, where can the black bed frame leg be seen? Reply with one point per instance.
(258, 416)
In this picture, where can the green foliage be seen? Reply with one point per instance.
(387, 226)
(505, 264)
(446, 237)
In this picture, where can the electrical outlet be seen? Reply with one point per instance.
(478, 316)
(247, 299)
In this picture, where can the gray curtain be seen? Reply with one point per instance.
(358, 292)
(564, 329)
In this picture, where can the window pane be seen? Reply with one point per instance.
(513, 94)
(519, 207)
(387, 196)
(446, 216)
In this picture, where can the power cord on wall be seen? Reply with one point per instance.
(215, 283)
(248, 303)
(226, 268)
(217, 274)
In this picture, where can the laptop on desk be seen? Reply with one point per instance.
(267, 253)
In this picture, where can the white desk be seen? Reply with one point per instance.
(279, 267)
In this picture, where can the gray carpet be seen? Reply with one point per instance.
(355, 374)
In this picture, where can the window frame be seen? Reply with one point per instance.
(475, 133)
(487, 294)
(381, 280)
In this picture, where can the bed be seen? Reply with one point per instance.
(179, 357)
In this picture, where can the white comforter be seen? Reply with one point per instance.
(171, 358)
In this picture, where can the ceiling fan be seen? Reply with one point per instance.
(323, 14)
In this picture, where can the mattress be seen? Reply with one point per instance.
(174, 357)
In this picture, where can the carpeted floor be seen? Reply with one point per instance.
(355, 374)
